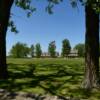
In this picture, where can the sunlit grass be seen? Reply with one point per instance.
(48, 76)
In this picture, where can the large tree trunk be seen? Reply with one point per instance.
(92, 48)
(5, 6)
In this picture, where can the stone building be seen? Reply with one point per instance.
(46, 54)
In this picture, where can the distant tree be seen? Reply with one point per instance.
(19, 50)
(92, 40)
(38, 50)
(52, 49)
(66, 47)
(32, 51)
(81, 49)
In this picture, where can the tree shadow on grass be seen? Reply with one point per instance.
(85, 93)
(24, 76)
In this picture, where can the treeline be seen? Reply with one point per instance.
(22, 50)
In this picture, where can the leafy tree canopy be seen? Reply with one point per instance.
(66, 47)
(52, 49)
(19, 50)
(81, 49)
(30, 8)
(38, 50)
(32, 50)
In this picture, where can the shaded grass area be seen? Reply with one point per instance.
(62, 77)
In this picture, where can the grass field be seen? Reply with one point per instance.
(48, 76)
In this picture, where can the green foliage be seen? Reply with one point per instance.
(81, 49)
(38, 50)
(52, 49)
(65, 47)
(51, 5)
(74, 4)
(19, 50)
(25, 5)
(94, 3)
(32, 50)
(12, 26)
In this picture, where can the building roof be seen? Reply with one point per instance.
(74, 51)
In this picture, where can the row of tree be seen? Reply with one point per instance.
(20, 50)
(92, 11)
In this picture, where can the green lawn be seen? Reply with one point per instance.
(48, 76)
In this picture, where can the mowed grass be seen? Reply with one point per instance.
(56, 76)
